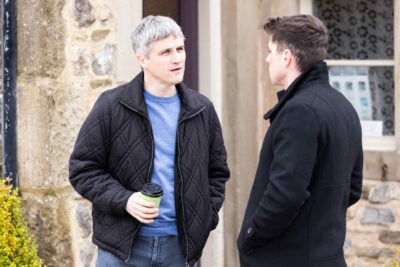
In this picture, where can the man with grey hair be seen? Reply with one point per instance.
(152, 129)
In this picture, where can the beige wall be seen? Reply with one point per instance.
(239, 77)
(248, 95)
(210, 84)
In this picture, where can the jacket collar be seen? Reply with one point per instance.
(132, 96)
(317, 72)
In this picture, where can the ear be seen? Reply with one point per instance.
(288, 57)
(141, 60)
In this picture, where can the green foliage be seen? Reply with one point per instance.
(395, 262)
(17, 249)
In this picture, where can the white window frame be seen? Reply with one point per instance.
(372, 143)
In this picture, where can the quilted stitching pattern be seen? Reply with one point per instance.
(116, 140)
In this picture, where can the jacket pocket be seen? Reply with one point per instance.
(244, 239)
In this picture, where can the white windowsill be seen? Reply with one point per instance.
(379, 143)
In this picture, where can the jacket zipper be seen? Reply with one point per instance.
(150, 166)
(180, 174)
(181, 177)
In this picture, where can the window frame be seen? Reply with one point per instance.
(373, 143)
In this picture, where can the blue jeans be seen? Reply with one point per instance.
(147, 252)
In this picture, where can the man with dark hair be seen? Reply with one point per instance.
(310, 165)
(152, 129)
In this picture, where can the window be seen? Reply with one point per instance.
(361, 60)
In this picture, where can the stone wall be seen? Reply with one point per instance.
(65, 59)
(373, 229)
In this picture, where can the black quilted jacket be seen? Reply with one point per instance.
(113, 158)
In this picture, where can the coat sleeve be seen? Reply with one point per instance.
(294, 145)
(88, 162)
(356, 177)
(218, 171)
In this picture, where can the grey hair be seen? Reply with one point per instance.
(151, 29)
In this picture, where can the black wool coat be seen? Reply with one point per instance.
(309, 173)
(113, 157)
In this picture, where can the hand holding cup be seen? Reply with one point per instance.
(144, 205)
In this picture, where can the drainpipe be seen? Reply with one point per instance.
(9, 105)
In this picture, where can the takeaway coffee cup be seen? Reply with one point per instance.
(152, 192)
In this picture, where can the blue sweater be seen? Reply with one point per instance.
(164, 113)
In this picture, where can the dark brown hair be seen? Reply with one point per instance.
(304, 35)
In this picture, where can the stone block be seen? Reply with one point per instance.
(390, 237)
(84, 219)
(368, 251)
(41, 38)
(377, 216)
(385, 255)
(347, 246)
(47, 220)
(103, 60)
(99, 35)
(83, 13)
(87, 252)
(383, 193)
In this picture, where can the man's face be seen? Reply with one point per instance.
(276, 62)
(164, 63)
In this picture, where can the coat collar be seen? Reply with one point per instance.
(132, 96)
(317, 72)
